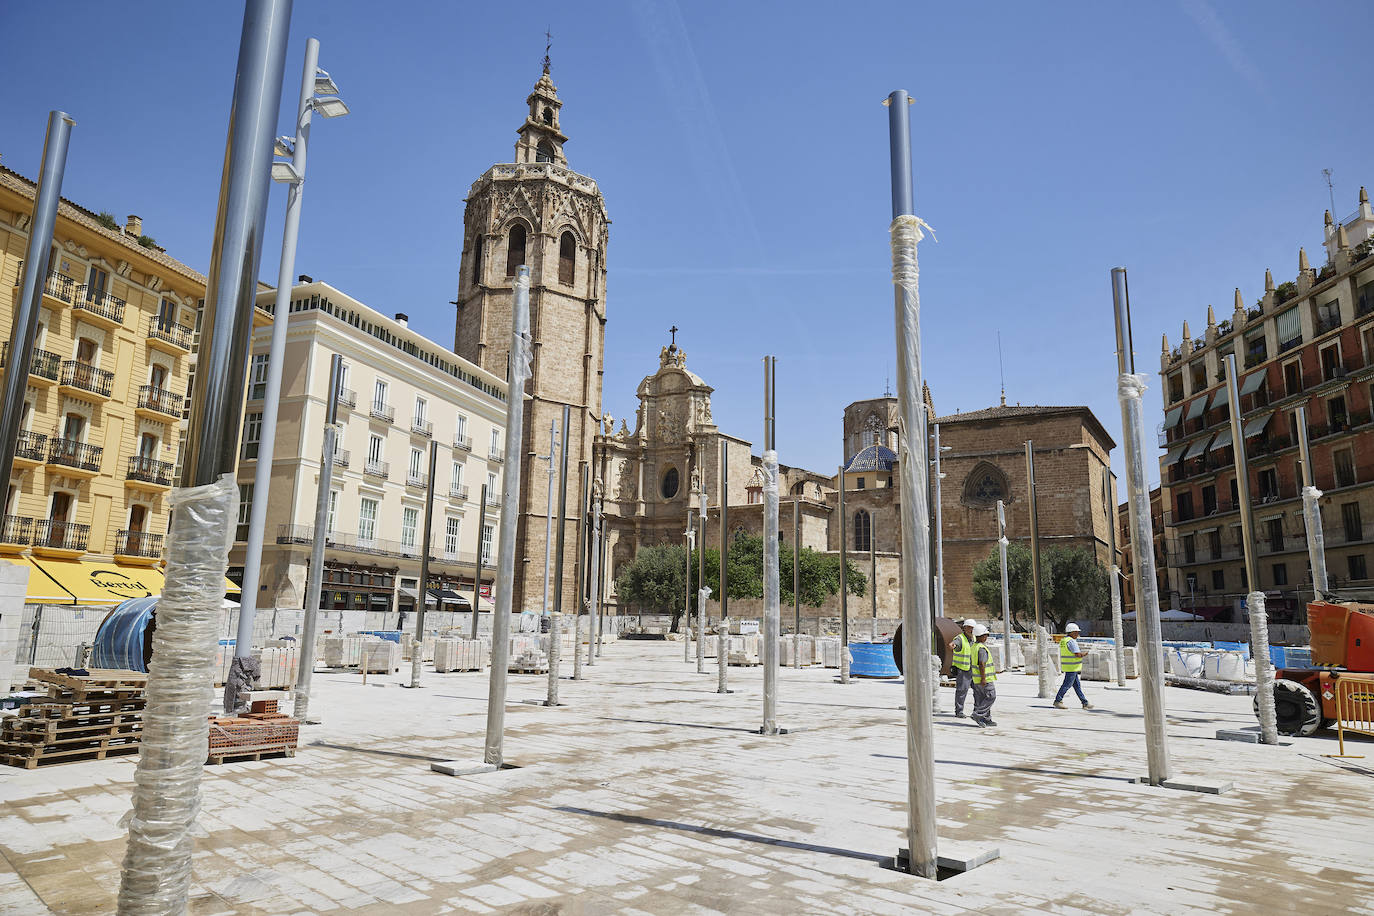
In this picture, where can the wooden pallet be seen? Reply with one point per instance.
(226, 755)
(100, 680)
(32, 756)
(60, 731)
(74, 709)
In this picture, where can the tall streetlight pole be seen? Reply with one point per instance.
(555, 623)
(703, 593)
(1312, 513)
(844, 586)
(1042, 649)
(796, 580)
(939, 527)
(548, 522)
(318, 93)
(690, 534)
(1118, 632)
(417, 652)
(772, 625)
(1006, 597)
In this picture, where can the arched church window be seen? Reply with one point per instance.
(548, 116)
(515, 249)
(567, 258)
(863, 530)
(543, 152)
(984, 486)
(670, 484)
(477, 259)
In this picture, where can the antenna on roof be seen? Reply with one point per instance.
(887, 386)
(1330, 189)
(1000, 373)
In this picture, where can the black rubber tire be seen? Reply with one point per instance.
(897, 649)
(1295, 708)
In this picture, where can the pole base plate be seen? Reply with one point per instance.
(463, 767)
(541, 703)
(1189, 784)
(954, 861)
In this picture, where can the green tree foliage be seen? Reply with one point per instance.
(655, 582)
(1074, 586)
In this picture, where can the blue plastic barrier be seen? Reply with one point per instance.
(872, 659)
(1232, 646)
(393, 635)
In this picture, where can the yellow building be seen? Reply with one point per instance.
(103, 411)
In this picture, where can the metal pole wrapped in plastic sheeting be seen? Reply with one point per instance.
(913, 465)
(175, 737)
(1259, 620)
(1044, 681)
(1149, 635)
(1312, 513)
(722, 657)
(417, 652)
(583, 511)
(555, 620)
(703, 593)
(844, 584)
(1006, 595)
(1118, 631)
(593, 650)
(772, 624)
(521, 352)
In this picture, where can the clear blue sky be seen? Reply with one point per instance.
(742, 151)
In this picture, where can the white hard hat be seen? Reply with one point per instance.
(969, 623)
(1071, 628)
(979, 630)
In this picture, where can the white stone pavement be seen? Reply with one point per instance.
(648, 794)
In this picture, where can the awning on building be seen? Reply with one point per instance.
(1220, 399)
(1198, 448)
(412, 594)
(448, 596)
(1256, 426)
(43, 589)
(1222, 440)
(1197, 408)
(93, 583)
(1252, 382)
(1173, 457)
(1172, 417)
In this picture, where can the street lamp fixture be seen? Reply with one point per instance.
(329, 107)
(324, 84)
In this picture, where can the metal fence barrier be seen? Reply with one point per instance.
(1354, 708)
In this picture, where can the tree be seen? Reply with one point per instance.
(656, 580)
(1074, 586)
(1081, 586)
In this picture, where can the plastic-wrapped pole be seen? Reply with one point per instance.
(595, 586)
(703, 593)
(1042, 645)
(582, 511)
(1259, 619)
(417, 652)
(796, 576)
(555, 649)
(1006, 595)
(913, 465)
(548, 512)
(1149, 636)
(873, 578)
(477, 565)
(722, 656)
(314, 581)
(1118, 632)
(156, 872)
(690, 536)
(939, 531)
(844, 586)
(521, 352)
(724, 532)
(1312, 514)
(772, 584)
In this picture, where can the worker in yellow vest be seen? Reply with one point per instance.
(1071, 663)
(962, 663)
(984, 678)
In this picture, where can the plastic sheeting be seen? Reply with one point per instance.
(1316, 541)
(175, 737)
(771, 593)
(1264, 668)
(124, 639)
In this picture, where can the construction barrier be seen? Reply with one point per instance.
(1354, 708)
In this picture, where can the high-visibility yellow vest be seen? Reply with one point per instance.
(984, 656)
(963, 653)
(1068, 662)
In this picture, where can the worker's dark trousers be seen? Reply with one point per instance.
(963, 680)
(984, 695)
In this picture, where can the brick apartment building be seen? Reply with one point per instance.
(1123, 545)
(1308, 342)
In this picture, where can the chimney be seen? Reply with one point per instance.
(305, 278)
(134, 226)
(403, 319)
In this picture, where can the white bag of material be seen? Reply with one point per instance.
(1184, 663)
(1224, 666)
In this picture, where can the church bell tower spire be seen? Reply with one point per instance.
(541, 140)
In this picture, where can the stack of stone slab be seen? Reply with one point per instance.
(381, 656)
(794, 650)
(745, 650)
(427, 652)
(828, 651)
(343, 651)
(457, 654)
(529, 655)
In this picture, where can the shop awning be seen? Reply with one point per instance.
(1256, 426)
(448, 596)
(1252, 382)
(42, 588)
(1172, 417)
(412, 594)
(1223, 439)
(1197, 408)
(1220, 399)
(92, 583)
(1197, 448)
(1173, 457)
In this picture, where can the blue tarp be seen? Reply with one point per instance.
(123, 640)
(392, 635)
(872, 660)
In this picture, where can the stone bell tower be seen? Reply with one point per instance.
(538, 212)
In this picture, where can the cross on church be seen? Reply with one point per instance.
(673, 331)
(548, 43)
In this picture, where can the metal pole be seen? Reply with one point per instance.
(156, 872)
(548, 521)
(1259, 619)
(1312, 514)
(1042, 642)
(796, 579)
(314, 581)
(601, 588)
(477, 576)
(772, 586)
(1149, 637)
(873, 573)
(1118, 631)
(594, 586)
(30, 303)
(583, 499)
(520, 354)
(844, 587)
(555, 637)
(939, 531)
(417, 653)
(689, 536)
(1006, 596)
(702, 592)
(724, 532)
(914, 466)
(262, 473)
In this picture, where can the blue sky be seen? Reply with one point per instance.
(742, 151)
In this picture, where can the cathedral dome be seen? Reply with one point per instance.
(873, 458)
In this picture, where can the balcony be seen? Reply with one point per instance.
(141, 548)
(148, 473)
(493, 498)
(77, 459)
(495, 454)
(16, 533)
(44, 368)
(342, 457)
(462, 442)
(159, 404)
(378, 469)
(458, 491)
(60, 287)
(84, 381)
(418, 480)
(348, 398)
(383, 412)
(345, 542)
(99, 307)
(1324, 325)
(30, 450)
(60, 539)
(168, 336)
(421, 427)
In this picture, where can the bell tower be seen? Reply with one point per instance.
(538, 212)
